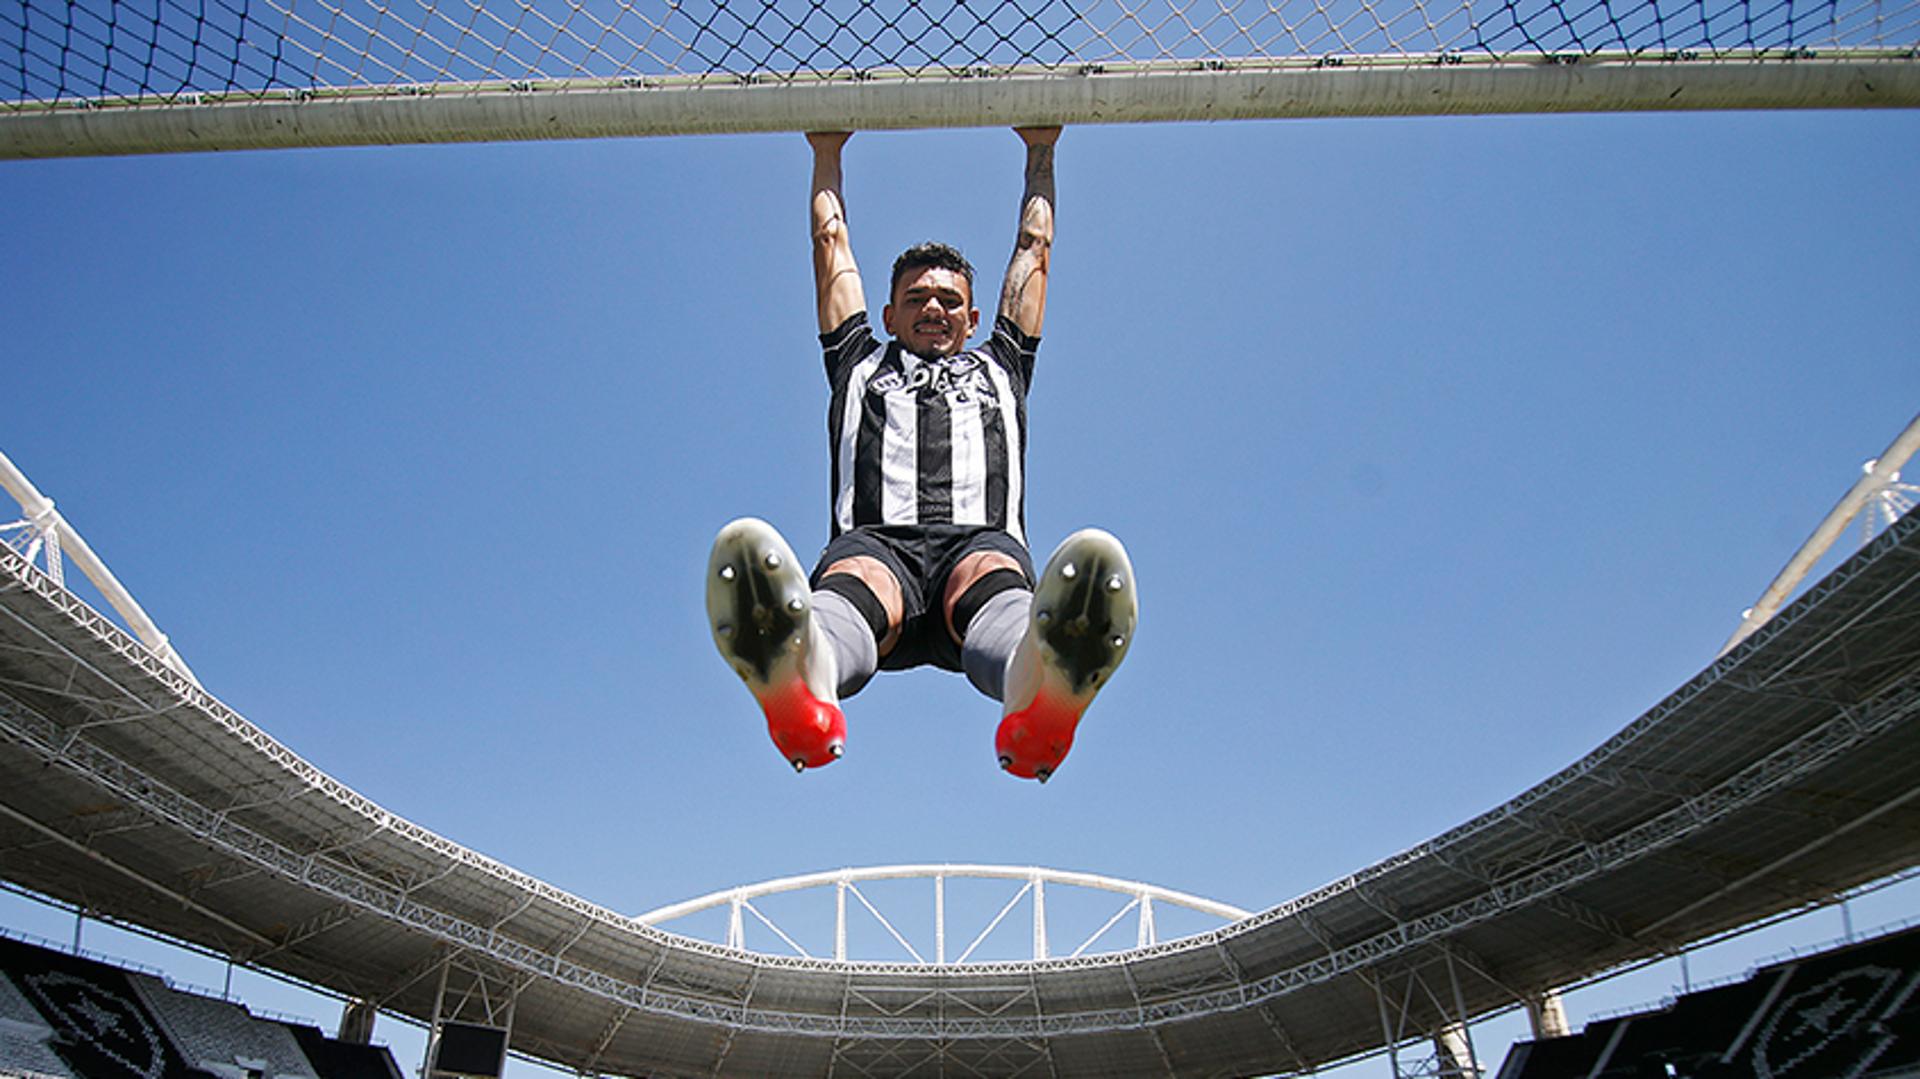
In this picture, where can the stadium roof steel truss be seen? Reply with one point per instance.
(1033, 880)
(1785, 773)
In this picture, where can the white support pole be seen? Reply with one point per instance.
(1879, 473)
(840, 921)
(43, 535)
(506, 1031)
(1460, 1013)
(357, 1018)
(1455, 1052)
(39, 509)
(1387, 1034)
(1039, 917)
(1547, 1015)
(433, 1024)
(940, 918)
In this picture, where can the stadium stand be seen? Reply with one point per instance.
(1849, 1013)
(67, 1017)
(100, 1028)
(221, 1037)
(24, 1036)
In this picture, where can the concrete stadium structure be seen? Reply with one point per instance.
(1782, 775)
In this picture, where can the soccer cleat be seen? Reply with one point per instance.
(761, 612)
(1084, 611)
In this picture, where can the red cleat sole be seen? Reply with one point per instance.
(809, 732)
(759, 607)
(1084, 612)
(1033, 741)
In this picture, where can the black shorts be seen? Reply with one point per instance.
(921, 558)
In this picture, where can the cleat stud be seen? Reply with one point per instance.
(796, 605)
(1043, 774)
(1116, 640)
(772, 560)
(1115, 584)
(1093, 679)
(1006, 763)
(836, 751)
(1069, 572)
(726, 573)
(799, 765)
(725, 630)
(1043, 617)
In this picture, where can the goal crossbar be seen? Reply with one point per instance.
(151, 76)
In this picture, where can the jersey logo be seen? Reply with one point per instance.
(958, 378)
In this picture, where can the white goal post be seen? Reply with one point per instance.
(144, 76)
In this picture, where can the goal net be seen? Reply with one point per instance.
(129, 76)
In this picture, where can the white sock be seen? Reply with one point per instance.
(856, 653)
(992, 636)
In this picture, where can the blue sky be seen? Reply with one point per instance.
(1443, 448)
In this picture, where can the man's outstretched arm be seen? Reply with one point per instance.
(836, 280)
(1023, 298)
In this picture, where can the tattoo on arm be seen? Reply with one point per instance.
(1024, 296)
(836, 279)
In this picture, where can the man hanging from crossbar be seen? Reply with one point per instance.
(928, 563)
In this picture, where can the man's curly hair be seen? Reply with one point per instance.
(930, 255)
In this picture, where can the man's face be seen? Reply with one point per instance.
(932, 312)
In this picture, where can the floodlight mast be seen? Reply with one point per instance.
(51, 534)
(1880, 474)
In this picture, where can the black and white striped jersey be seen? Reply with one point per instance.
(918, 441)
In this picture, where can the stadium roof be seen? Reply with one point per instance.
(1785, 773)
